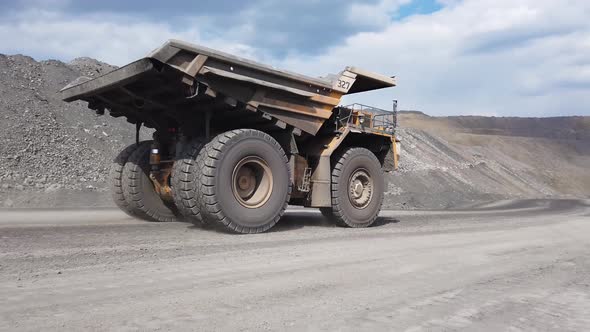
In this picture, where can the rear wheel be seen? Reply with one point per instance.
(245, 181)
(139, 189)
(116, 177)
(185, 180)
(327, 212)
(357, 188)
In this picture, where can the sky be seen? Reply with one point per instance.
(450, 57)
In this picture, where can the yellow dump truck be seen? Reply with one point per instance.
(236, 141)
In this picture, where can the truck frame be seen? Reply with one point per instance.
(236, 141)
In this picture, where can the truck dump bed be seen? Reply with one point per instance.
(180, 78)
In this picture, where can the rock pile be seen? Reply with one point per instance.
(47, 144)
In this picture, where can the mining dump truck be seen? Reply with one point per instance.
(236, 141)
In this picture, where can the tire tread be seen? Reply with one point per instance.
(134, 191)
(337, 213)
(209, 160)
(116, 177)
(184, 181)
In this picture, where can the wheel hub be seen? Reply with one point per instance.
(252, 182)
(360, 189)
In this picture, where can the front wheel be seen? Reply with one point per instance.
(357, 188)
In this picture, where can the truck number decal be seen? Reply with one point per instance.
(343, 84)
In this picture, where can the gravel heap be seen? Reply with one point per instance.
(442, 168)
(48, 144)
(90, 67)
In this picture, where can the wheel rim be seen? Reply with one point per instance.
(252, 182)
(360, 189)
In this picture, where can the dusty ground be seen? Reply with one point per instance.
(521, 265)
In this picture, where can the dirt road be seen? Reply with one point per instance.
(513, 265)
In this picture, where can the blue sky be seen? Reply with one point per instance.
(490, 57)
(424, 7)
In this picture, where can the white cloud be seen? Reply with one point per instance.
(374, 15)
(504, 57)
(111, 38)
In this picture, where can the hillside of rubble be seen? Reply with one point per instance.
(55, 154)
(450, 162)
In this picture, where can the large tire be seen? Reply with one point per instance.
(185, 179)
(245, 181)
(357, 188)
(115, 175)
(139, 190)
(327, 212)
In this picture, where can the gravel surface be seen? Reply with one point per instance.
(51, 148)
(511, 265)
